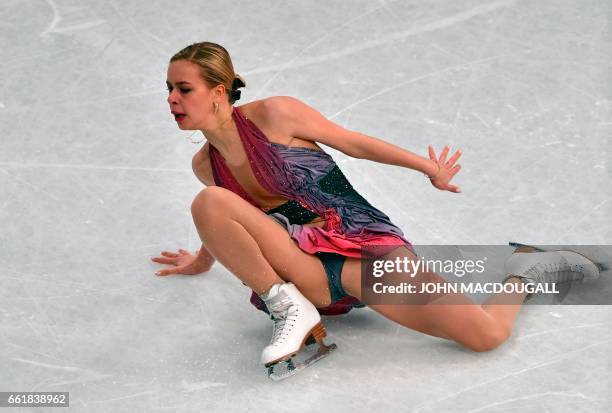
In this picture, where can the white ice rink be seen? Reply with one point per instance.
(95, 179)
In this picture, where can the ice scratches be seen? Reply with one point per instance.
(86, 375)
(36, 187)
(310, 46)
(120, 97)
(84, 166)
(477, 116)
(129, 396)
(556, 330)
(76, 27)
(50, 366)
(416, 79)
(52, 28)
(581, 220)
(56, 18)
(534, 396)
(200, 385)
(516, 373)
(392, 37)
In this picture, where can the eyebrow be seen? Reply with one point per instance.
(182, 82)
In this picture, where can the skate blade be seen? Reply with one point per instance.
(294, 365)
(516, 245)
(602, 266)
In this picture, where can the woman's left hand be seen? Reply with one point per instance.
(446, 169)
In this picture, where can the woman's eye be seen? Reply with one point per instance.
(182, 90)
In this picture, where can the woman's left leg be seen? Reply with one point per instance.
(452, 316)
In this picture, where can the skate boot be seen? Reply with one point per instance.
(297, 323)
(558, 267)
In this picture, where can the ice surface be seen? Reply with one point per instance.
(95, 179)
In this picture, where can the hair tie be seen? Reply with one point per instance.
(235, 93)
(237, 83)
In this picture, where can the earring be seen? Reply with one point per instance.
(216, 107)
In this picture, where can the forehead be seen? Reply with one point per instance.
(182, 70)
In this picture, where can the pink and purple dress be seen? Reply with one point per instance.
(315, 186)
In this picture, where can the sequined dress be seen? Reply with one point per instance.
(314, 186)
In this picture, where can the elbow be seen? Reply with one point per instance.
(354, 150)
(358, 153)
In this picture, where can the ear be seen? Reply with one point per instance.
(219, 91)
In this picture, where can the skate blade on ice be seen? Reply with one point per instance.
(603, 266)
(300, 361)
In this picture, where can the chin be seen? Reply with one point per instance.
(187, 125)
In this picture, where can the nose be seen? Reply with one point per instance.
(172, 97)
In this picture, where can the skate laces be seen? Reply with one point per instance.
(563, 272)
(284, 315)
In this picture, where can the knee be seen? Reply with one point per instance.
(488, 338)
(210, 200)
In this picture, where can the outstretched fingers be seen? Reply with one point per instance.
(454, 158)
(442, 159)
(454, 170)
(432, 154)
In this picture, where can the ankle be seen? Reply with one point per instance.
(513, 277)
(271, 292)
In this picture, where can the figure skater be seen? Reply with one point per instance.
(262, 167)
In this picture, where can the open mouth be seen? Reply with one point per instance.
(179, 117)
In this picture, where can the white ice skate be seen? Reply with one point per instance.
(297, 323)
(558, 267)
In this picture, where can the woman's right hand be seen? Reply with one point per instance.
(183, 263)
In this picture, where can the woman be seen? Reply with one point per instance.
(261, 161)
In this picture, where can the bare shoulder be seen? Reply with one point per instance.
(280, 104)
(281, 110)
(275, 113)
(299, 118)
(200, 163)
(287, 120)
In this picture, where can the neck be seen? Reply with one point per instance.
(222, 134)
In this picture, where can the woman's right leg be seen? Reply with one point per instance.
(254, 247)
(451, 316)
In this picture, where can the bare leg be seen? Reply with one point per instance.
(451, 316)
(504, 307)
(254, 247)
(260, 253)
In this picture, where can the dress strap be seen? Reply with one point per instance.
(266, 163)
(224, 178)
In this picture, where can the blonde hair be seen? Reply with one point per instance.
(215, 67)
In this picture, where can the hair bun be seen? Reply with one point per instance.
(237, 83)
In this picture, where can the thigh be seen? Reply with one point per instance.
(279, 249)
(451, 316)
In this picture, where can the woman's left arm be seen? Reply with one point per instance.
(301, 120)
